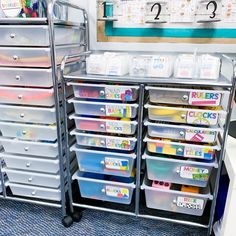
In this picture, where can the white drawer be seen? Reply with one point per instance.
(31, 163)
(37, 35)
(35, 192)
(41, 149)
(33, 178)
(34, 57)
(28, 131)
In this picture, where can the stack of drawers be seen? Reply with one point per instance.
(182, 146)
(27, 104)
(106, 125)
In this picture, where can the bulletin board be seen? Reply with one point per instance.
(167, 21)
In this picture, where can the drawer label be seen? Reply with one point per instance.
(11, 8)
(116, 164)
(203, 153)
(120, 128)
(117, 192)
(188, 172)
(190, 203)
(118, 144)
(118, 93)
(118, 111)
(202, 117)
(205, 98)
(200, 135)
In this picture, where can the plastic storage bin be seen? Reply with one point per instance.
(180, 96)
(105, 125)
(109, 163)
(102, 141)
(187, 172)
(207, 117)
(175, 200)
(182, 132)
(95, 187)
(104, 109)
(168, 147)
(105, 92)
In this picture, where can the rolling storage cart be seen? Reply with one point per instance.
(157, 154)
(31, 50)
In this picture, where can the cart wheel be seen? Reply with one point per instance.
(67, 221)
(77, 216)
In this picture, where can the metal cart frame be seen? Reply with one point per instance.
(50, 20)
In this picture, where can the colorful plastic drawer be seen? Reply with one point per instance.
(105, 125)
(108, 163)
(120, 110)
(102, 141)
(41, 149)
(185, 96)
(207, 117)
(33, 178)
(28, 131)
(30, 163)
(187, 172)
(175, 200)
(34, 57)
(37, 35)
(200, 151)
(105, 92)
(97, 187)
(182, 132)
(35, 192)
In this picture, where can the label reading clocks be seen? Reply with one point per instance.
(11, 8)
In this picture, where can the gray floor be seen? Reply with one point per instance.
(29, 220)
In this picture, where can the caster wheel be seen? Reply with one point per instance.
(77, 216)
(67, 221)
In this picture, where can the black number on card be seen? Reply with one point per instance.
(104, 9)
(215, 8)
(159, 10)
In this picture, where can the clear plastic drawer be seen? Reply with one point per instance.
(184, 96)
(168, 147)
(120, 110)
(110, 189)
(105, 92)
(105, 125)
(207, 117)
(102, 141)
(182, 132)
(108, 163)
(187, 172)
(175, 200)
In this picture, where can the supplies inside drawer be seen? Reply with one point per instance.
(205, 116)
(182, 132)
(105, 188)
(102, 141)
(105, 92)
(120, 110)
(179, 171)
(103, 162)
(185, 96)
(109, 125)
(176, 198)
(177, 148)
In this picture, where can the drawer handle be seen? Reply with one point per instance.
(102, 93)
(30, 180)
(18, 77)
(102, 126)
(24, 132)
(102, 163)
(183, 116)
(15, 57)
(185, 98)
(182, 133)
(175, 201)
(102, 110)
(180, 150)
(12, 36)
(103, 190)
(102, 142)
(33, 193)
(20, 96)
(178, 171)
(28, 164)
(22, 115)
(26, 149)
